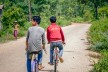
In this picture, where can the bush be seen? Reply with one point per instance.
(45, 22)
(99, 34)
(11, 15)
(102, 65)
(78, 19)
(63, 22)
(88, 16)
(27, 25)
(6, 35)
(103, 12)
(21, 32)
(99, 40)
(60, 21)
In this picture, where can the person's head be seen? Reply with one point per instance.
(36, 20)
(53, 19)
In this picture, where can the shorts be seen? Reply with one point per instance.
(15, 33)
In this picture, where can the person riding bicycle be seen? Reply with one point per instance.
(35, 42)
(56, 37)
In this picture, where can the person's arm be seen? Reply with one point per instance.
(62, 35)
(48, 36)
(27, 40)
(43, 40)
(26, 46)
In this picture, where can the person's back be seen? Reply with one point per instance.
(55, 32)
(35, 38)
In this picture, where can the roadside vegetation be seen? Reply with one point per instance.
(99, 41)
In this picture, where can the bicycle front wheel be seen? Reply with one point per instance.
(36, 66)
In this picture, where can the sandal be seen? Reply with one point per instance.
(40, 67)
(50, 63)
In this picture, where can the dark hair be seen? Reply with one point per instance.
(53, 19)
(37, 19)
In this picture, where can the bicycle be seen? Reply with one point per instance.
(55, 59)
(34, 61)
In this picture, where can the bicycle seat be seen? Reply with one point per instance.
(55, 46)
(35, 52)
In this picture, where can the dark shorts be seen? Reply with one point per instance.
(15, 33)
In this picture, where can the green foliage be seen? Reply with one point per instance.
(88, 16)
(24, 6)
(44, 22)
(102, 65)
(99, 30)
(78, 19)
(103, 12)
(60, 21)
(63, 22)
(21, 32)
(99, 40)
(6, 35)
(27, 25)
(11, 15)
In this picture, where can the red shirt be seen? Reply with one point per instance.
(55, 33)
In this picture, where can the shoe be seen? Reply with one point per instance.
(50, 63)
(61, 59)
(40, 67)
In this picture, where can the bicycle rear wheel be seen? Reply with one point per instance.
(34, 64)
(55, 63)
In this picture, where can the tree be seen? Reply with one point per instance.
(11, 15)
(29, 6)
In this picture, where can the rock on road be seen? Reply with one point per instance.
(76, 59)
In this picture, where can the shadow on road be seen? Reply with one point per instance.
(68, 51)
(48, 70)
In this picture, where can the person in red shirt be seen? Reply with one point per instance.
(55, 37)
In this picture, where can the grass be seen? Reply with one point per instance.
(99, 40)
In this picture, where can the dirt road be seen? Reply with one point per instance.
(13, 57)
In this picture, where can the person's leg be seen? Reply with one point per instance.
(60, 46)
(51, 53)
(40, 55)
(16, 34)
(28, 63)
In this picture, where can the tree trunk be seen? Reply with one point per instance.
(29, 4)
(96, 11)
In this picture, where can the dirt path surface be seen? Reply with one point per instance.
(76, 59)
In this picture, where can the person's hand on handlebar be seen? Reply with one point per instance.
(26, 49)
(64, 42)
(43, 46)
(48, 42)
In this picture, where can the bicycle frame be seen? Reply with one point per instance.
(34, 63)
